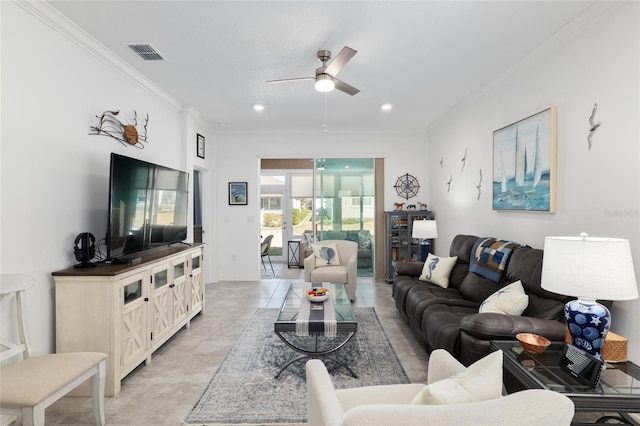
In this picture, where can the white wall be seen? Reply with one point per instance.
(54, 175)
(239, 160)
(598, 190)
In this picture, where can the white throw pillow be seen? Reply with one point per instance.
(510, 300)
(481, 381)
(436, 270)
(326, 254)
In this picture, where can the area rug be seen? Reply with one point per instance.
(244, 390)
(280, 271)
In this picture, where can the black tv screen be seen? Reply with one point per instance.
(147, 206)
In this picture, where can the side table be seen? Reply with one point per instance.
(293, 256)
(617, 391)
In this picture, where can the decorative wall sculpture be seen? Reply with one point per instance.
(593, 126)
(407, 186)
(127, 134)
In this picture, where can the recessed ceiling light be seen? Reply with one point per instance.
(386, 107)
(258, 107)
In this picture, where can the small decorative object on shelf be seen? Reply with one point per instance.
(407, 186)
(126, 134)
(398, 206)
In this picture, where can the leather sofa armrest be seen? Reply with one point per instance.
(413, 269)
(500, 326)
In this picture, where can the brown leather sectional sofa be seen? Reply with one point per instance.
(448, 318)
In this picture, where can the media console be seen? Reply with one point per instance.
(129, 311)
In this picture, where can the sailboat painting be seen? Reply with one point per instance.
(524, 164)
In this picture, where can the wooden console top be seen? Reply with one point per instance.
(112, 269)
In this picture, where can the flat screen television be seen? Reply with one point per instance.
(147, 206)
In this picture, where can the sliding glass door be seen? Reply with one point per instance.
(344, 205)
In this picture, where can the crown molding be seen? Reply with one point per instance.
(60, 23)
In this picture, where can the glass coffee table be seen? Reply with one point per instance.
(617, 391)
(316, 345)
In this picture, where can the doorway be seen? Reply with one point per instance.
(198, 230)
(273, 218)
(323, 199)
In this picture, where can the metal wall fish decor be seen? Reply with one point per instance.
(127, 134)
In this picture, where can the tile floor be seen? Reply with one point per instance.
(163, 392)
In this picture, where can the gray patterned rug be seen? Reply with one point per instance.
(280, 271)
(244, 390)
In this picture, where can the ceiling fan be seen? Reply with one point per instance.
(325, 79)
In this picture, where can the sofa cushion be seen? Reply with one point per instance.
(441, 323)
(510, 300)
(478, 288)
(437, 269)
(420, 297)
(481, 381)
(332, 274)
(326, 254)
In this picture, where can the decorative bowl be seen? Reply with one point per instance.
(533, 343)
(318, 294)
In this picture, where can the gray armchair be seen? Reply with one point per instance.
(344, 273)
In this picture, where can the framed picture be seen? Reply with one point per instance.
(237, 193)
(524, 164)
(200, 145)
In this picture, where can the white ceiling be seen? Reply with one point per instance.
(424, 57)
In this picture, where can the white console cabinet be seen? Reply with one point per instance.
(128, 311)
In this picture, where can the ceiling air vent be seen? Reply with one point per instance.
(145, 51)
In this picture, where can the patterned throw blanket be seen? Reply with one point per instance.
(490, 256)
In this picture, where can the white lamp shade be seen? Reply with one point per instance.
(424, 229)
(587, 267)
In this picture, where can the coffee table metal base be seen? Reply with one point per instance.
(315, 353)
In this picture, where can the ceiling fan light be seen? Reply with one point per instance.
(324, 83)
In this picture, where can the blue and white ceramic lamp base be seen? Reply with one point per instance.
(588, 323)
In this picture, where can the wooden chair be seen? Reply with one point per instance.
(29, 384)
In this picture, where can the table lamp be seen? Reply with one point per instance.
(424, 229)
(588, 268)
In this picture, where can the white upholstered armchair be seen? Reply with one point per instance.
(391, 404)
(345, 272)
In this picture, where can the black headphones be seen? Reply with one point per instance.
(85, 247)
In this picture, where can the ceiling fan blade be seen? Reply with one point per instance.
(340, 61)
(287, 80)
(344, 87)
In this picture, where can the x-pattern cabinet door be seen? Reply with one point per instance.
(134, 320)
(179, 289)
(162, 302)
(197, 289)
